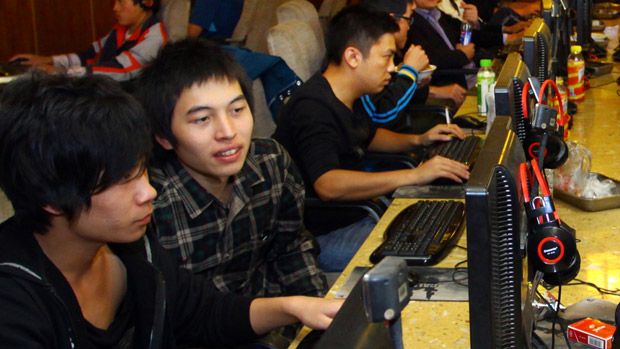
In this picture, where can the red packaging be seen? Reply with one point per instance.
(592, 332)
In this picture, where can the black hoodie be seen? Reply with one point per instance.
(171, 306)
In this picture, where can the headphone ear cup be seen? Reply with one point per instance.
(557, 152)
(553, 251)
(566, 276)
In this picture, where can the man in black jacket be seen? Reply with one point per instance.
(76, 270)
(439, 35)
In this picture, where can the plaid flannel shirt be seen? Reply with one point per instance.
(256, 245)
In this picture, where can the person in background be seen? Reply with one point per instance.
(326, 131)
(76, 268)
(229, 207)
(121, 55)
(398, 99)
(214, 19)
(511, 27)
(439, 35)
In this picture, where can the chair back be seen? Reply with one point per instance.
(263, 18)
(264, 126)
(295, 42)
(245, 21)
(328, 9)
(175, 16)
(304, 11)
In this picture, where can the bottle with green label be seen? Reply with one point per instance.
(484, 82)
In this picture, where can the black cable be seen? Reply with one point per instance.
(459, 269)
(601, 290)
(555, 317)
(562, 327)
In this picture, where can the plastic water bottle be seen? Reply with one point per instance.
(576, 74)
(465, 33)
(484, 82)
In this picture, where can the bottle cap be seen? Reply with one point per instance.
(486, 63)
(575, 49)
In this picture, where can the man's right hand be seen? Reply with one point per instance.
(440, 167)
(416, 58)
(469, 50)
(454, 92)
(33, 60)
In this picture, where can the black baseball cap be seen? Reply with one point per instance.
(397, 7)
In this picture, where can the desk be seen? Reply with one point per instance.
(446, 324)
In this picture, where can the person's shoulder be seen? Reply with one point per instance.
(157, 175)
(269, 151)
(263, 148)
(162, 177)
(313, 98)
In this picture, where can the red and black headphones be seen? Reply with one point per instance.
(551, 138)
(552, 248)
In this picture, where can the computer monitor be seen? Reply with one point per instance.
(584, 9)
(508, 90)
(537, 48)
(496, 240)
(561, 30)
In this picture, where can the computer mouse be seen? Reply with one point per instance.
(468, 121)
(413, 278)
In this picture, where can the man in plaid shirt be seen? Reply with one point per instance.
(228, 207)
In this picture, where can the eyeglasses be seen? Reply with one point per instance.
(408, 19)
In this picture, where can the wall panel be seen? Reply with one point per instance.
(52, 26)
(16, 28)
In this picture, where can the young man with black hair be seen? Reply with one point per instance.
(388, 107)
(121, 54)
(326, 132)
(76, 268)
(229, 207)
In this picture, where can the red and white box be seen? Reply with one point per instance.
(592, 332)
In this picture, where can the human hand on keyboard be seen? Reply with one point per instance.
(440, 167)
(442, 132)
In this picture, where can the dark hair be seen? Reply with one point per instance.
(64, 139)
(359, 27)
(155, 7)
(180, 66)
(397, 7)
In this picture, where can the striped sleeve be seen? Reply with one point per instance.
(386, 105)
(129, 63)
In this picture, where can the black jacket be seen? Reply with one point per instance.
(422, 33)
(170, 305)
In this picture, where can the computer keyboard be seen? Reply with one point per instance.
(456, 149)
(423, 233)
